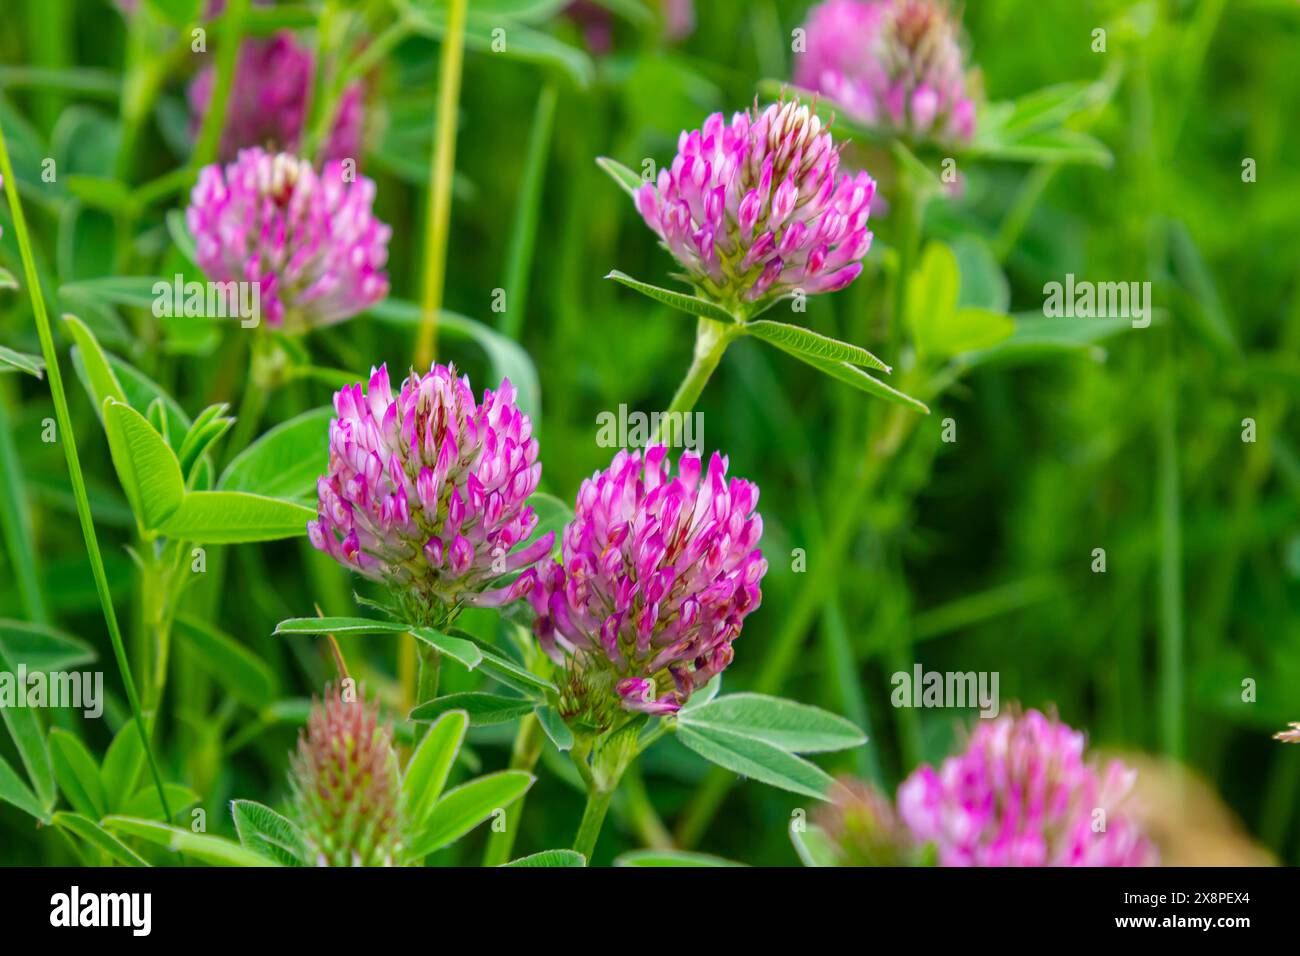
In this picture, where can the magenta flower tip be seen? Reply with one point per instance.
(753, 209)
(892, 64)
(427, 491)
(308, 241)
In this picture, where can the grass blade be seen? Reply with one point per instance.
(64, 420)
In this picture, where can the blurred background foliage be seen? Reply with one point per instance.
(972, 555)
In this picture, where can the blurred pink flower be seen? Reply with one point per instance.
(753, 209)
(269, 98)
(1291, 735)
(310, 241)
(1021, 794)
(891, 64)
(657, 576)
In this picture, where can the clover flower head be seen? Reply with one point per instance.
(427, 491)
(308, 240)
(658, 575)
(753, 209)
(1022, 794)
(1291, 735)
(345, 782)
(268, 101)
(892, 64)
(863, 827)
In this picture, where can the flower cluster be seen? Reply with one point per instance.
(309, 241)
(346, 787)
(1022, 794)
(268, 101)
(427, 491)
(657, 577)
(754, 210)
(892, 64)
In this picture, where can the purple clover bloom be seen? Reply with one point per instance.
(427, 491)
(753, 209)
(268, 101)
(658, 575)
(309, 240)
(1022, 794)
(891, 64)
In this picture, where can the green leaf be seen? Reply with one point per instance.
(466, 653)
(796, 339)
(43, 647)
(211, 424)
(813, 846)
(339, 625)
(132, 291)
(178, 13)
(1036, 338)
(122, 766)
(627, 180)
(264, 831)
(690, 304)
(483, 709)
(755, 758)
(939, 327)
(147, 469)
(286, 461)
(1047, 146)
(794, 727)
(511, 674)
(671, 858)
(426, 773)
(29, 740)
(180, 235)
(234, 517)
(555, 727)
(199, 846)
(98, 837)
(239, 671)
(468, 805)
(851, 375)
(13, 790)
(102, 383)
(146, 806)
(983, 283)
(550, 858)
(78, 774)
(7, 280)
(33, 365)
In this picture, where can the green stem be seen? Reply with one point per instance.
(523, 232)
(593, 818)
(442, 167)
(711, 340)
(529, 740)
(209, 139)
(426, 686)
(64, 420)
